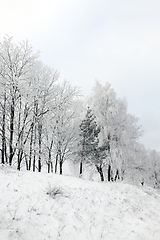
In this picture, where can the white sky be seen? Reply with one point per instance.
(109, 40)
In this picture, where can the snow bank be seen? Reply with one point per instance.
(40, 206)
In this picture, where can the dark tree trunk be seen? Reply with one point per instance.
(11, 153)
(4, 131)
(20, 156)
(50, 166)
(60, 167)
(49, 161)
(39, 164)
(117, 175)
(56, 163)
(109, 153)
(34, 163)
(35, 133)
(100, 170)
(27, 163)
(34, 152)
(19, 166)
(60, 162)
(109, 172)
(40, 146)
(31, 148)
(81, 169)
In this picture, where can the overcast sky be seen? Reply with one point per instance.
(115, 41)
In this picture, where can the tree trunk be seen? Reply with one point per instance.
(31, 148)
(60, 167)
(51, 167)
(100, 170)
(27, 163)
(19, 165)
(56, 163)
(34, 152)
(109, 172)
(49, 161)
(4, 131)
(109, 153)
(11, 132)
(40, 146)
(81, 169)
(20, 157)
(117, 175)
(49, 158)
(48, 167)
(20, 136)
(60, 162)
(35, 133)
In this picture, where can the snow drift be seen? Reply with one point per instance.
(40, 206)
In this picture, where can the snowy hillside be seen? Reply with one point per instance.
(40, 206)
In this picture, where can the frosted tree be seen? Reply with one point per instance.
(62, 133)
(118, 128)
(102, 101)
(154, 168)
(147, 166)
(25, 85)
(15, 62)
(42, 93)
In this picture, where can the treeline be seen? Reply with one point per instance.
(44, 123)
(36, 113)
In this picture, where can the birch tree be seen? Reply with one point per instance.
(118, 128)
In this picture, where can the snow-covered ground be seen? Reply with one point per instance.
(41, 206)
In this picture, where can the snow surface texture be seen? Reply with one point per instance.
(40, 206)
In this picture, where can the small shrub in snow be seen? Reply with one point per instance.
(55, 191)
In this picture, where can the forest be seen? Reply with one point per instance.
(45, 122)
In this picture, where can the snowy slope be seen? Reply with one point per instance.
(30, 209)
